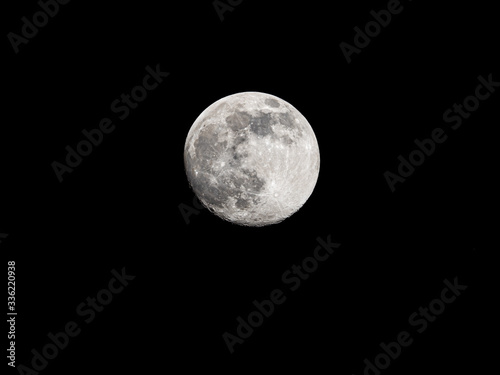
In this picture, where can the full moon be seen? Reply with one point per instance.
(252, 159)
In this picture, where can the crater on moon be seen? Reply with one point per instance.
(252, 159)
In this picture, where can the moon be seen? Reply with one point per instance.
(252, 159)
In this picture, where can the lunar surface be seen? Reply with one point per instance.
(252, 159)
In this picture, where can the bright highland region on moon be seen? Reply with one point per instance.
(252, 159)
